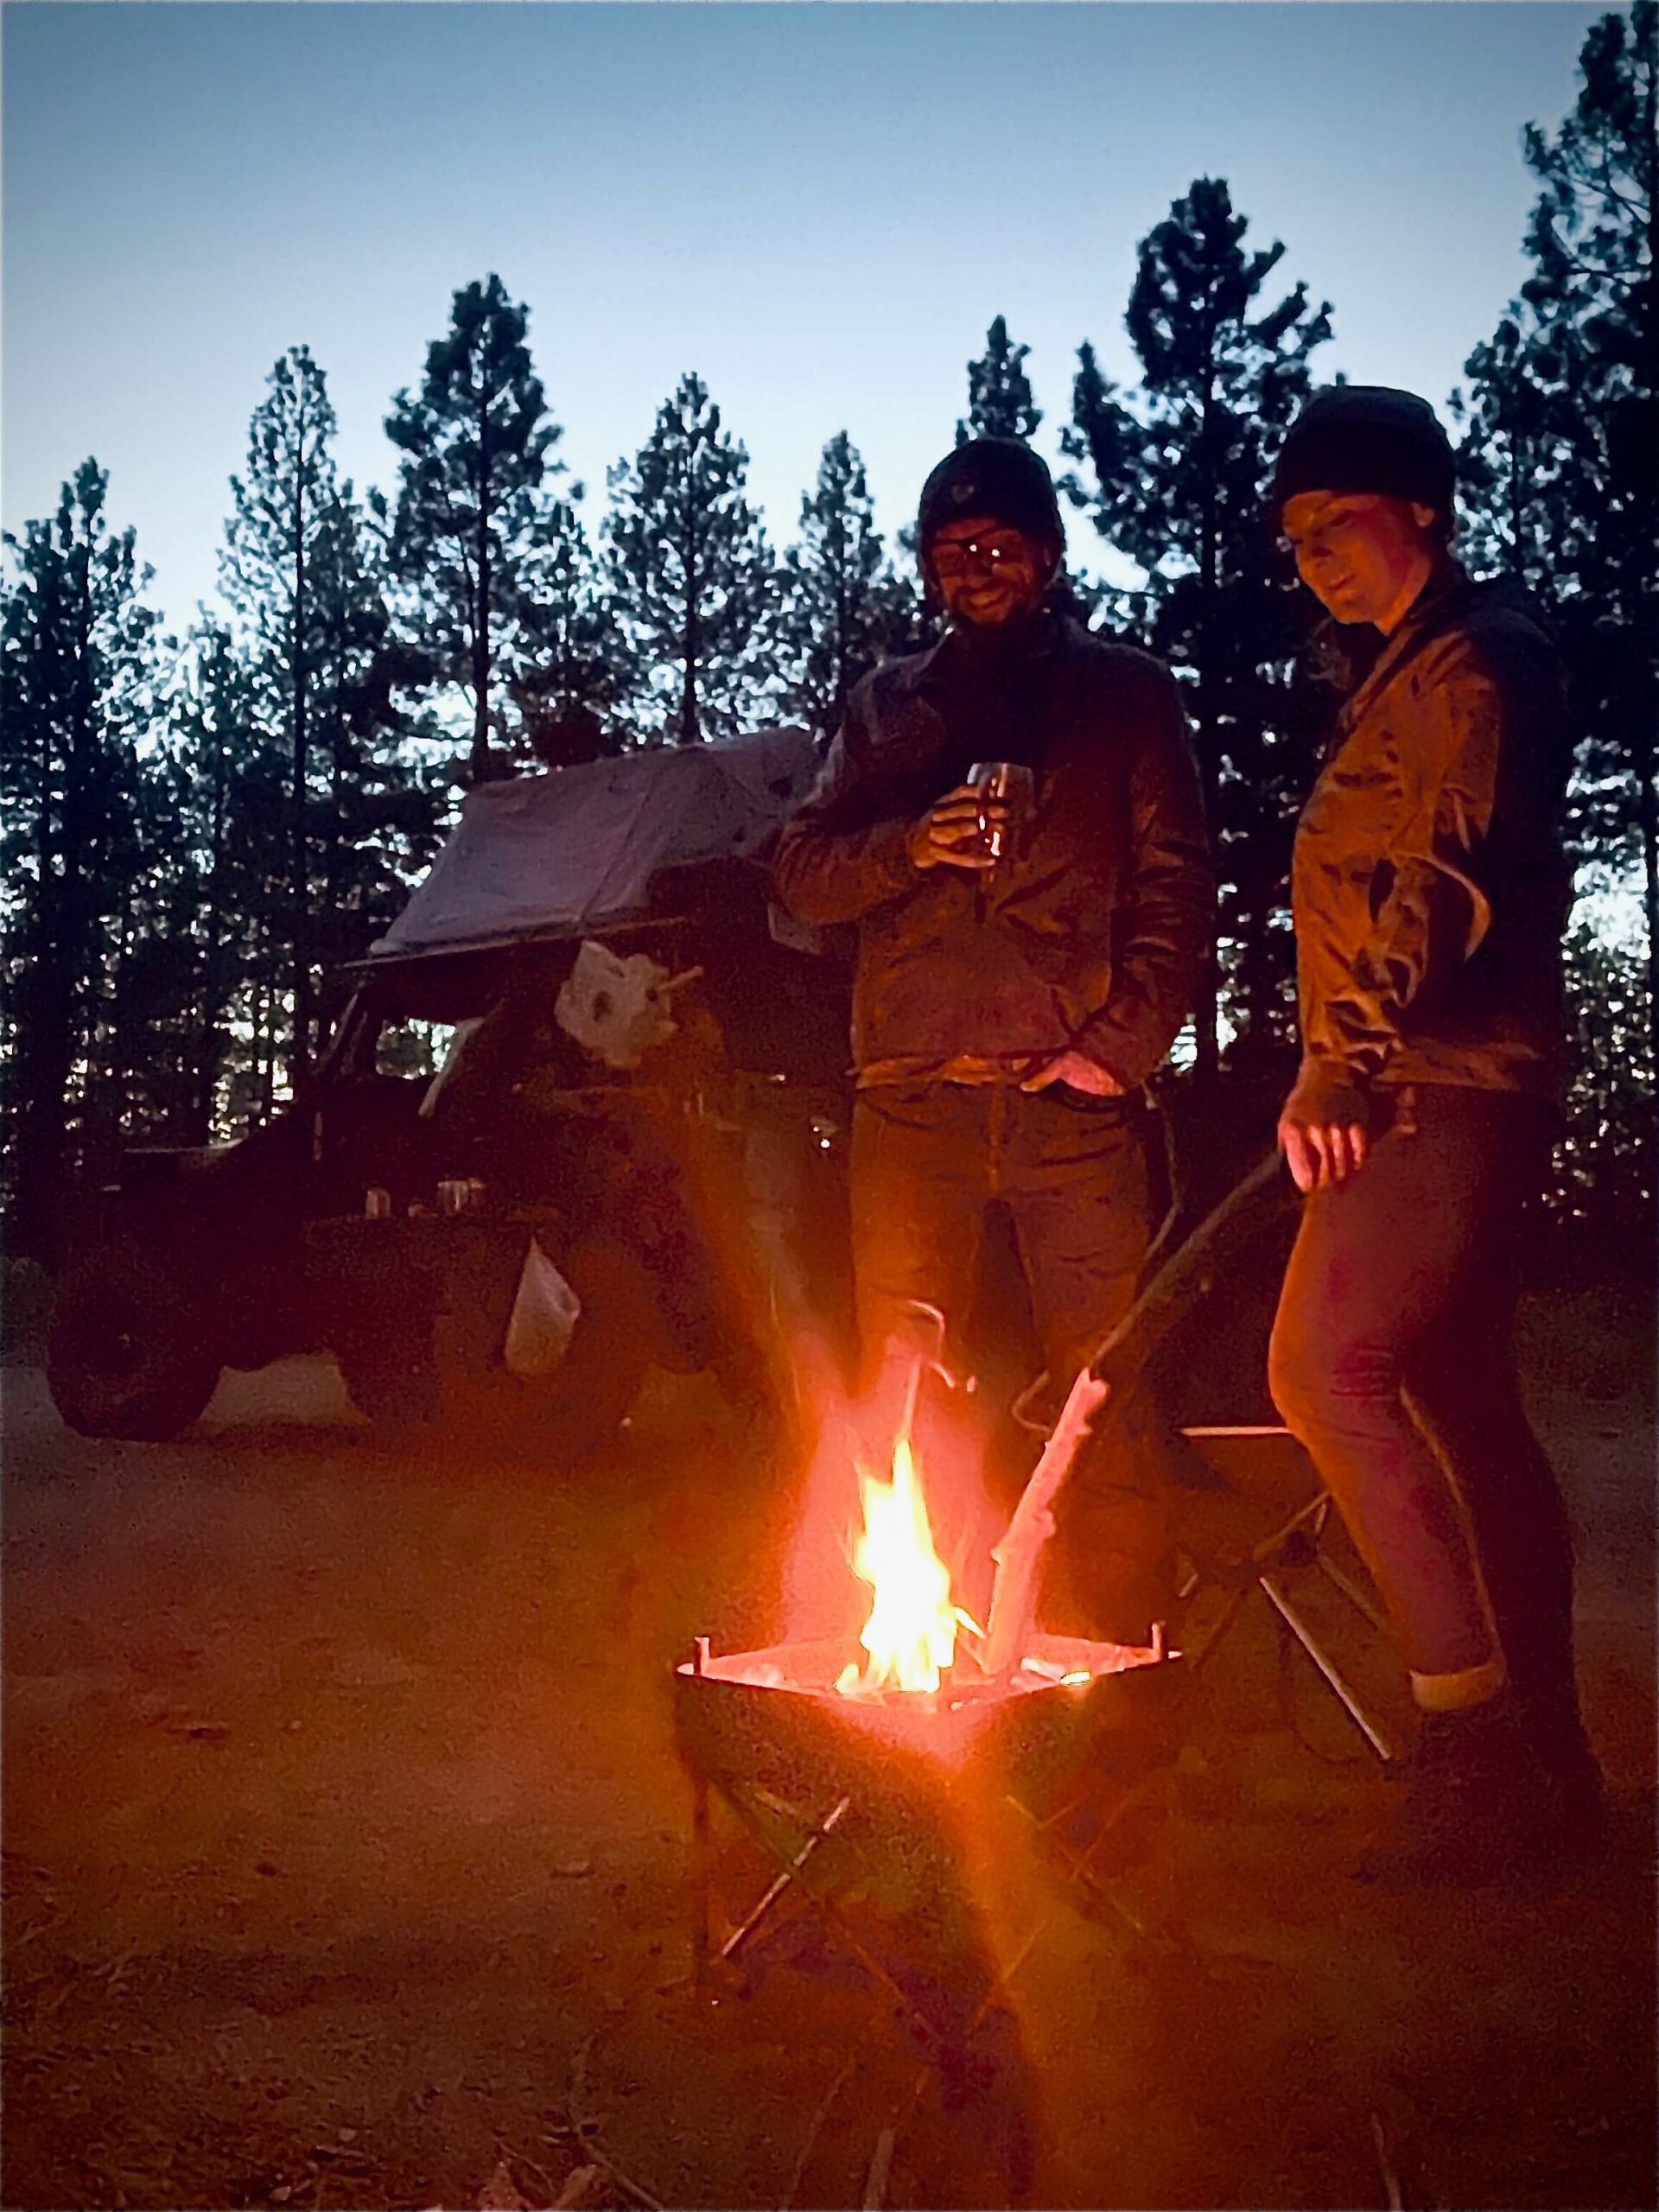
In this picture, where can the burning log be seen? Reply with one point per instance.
(911, 1634)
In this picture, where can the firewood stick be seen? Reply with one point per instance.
(1114, 1370)
(1015, 1592)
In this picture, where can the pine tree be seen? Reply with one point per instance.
(1605, 1165)
(1515, 491)
(843, 607)
(233, 773)
(305, 575)
(1594, 301)
(1561, 450)
(373, 809)
(138, 1076)
(692, 580)
(1176, 475)
(80, 685)
(999, 402)
(275, 543)
(475, 506)
(570, 691)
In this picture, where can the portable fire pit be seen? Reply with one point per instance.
(876, 1794)
(873, 1765)
(878, 1809)
(774, 1720)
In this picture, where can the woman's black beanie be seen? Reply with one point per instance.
(1366, 437)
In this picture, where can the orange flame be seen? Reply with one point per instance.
(911, 1634)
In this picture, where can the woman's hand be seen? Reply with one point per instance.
(1323, 1128)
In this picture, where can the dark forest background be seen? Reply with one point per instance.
(198, 829)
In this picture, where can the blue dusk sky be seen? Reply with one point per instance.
(819, 208)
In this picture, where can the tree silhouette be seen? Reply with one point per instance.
(1176, 485)
(81, 682)
(1605, 1178)
(570, 689)
(1561, 450)
(373, 807)
(844, 607)
(268, 571)
(1000, 403)
(234, 774)
(692, 580)
(306, 576)
(473, 508)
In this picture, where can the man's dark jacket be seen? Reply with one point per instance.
(1429, 889)
(1090, 937)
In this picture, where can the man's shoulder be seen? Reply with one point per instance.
(898, 673)
(1112, 661)
(895, 699)
(888, 699)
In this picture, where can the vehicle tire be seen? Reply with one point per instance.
(129, 1351)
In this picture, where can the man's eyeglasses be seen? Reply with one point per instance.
(958, 554)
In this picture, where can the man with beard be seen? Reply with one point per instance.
(1028, 943)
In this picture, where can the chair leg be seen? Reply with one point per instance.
(1369, 1726)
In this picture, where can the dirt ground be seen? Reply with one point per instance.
(349, 1859)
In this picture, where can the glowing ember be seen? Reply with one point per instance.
(911, 1635)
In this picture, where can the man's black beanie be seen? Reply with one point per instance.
(996, 477)
(1366, 437)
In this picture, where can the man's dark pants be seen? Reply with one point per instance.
(927, 1159)
(1393, 1361)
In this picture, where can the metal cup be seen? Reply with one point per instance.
(1015, 785)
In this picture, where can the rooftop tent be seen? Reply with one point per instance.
(575, 851)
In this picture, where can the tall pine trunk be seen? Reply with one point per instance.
(1647, 818)
(209, 1043)
(1205, 1026)
(43, 1011)
(690, 727)
(1646, 702)
(485, 581)
(58, 985)
(299, 918)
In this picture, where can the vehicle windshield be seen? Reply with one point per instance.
(408, 1047)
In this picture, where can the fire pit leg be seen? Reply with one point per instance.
(820, 1901)
(742, 1933)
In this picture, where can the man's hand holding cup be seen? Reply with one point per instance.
(979, 823)
(954, 832)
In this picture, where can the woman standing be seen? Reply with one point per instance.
(1430, 896)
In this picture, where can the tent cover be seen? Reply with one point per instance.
(574, 851)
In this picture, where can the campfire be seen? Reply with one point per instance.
(911, 1634)
(873, 1769)
(923, 1653)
